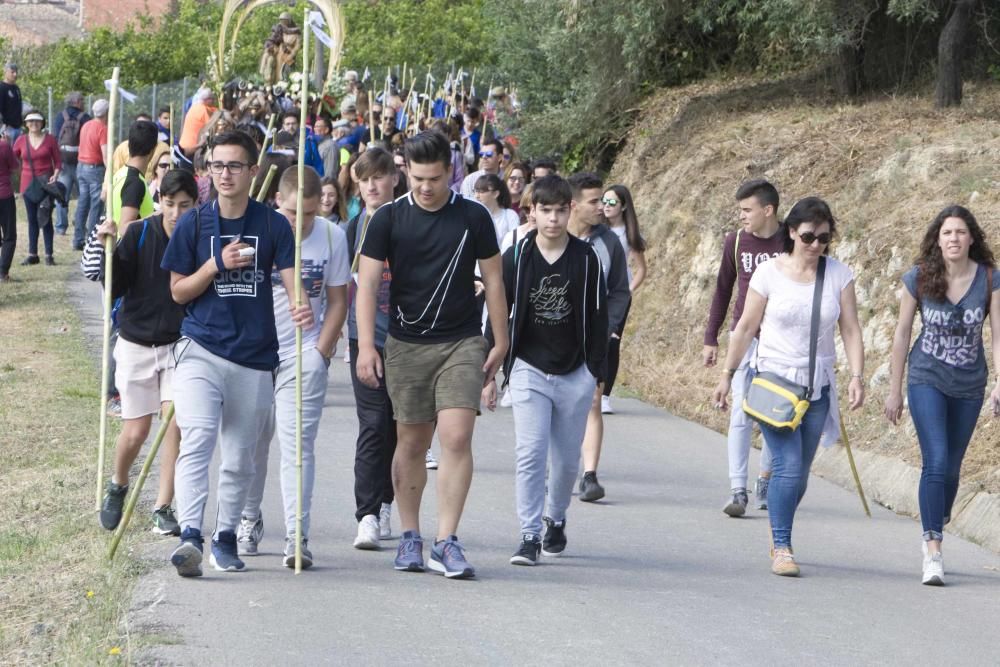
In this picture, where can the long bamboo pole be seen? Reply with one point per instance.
(266, 183)
(109, 248)
(171, 128)
(298, 302)
(854, 468)
(263, 151)
(133, 495)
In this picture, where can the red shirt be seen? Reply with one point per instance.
(93, 138)
(8, 163)
(45, 158)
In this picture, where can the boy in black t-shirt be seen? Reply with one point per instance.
(558, 343)
(436, 360)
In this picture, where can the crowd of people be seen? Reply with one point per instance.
(464, 277)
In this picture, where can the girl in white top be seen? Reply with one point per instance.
(779, 305)
(493, 194)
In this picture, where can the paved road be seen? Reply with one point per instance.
(656, 574)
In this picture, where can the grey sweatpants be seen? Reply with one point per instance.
(216, 400)
(314, 381)
(550, 418)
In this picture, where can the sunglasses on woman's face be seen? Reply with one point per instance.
(809, 238)
(608, 201)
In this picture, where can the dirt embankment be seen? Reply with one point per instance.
(886, 167)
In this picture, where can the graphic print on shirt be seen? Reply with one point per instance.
(751, 261)
(242, 281)
(549, 303)
(313, 275)
(952, 335)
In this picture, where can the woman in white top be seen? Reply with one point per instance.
(621, 217)
(779, 305)
(492, 193)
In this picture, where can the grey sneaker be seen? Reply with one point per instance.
(224, 558)
(410, 553)
(737, 505)
(448, 558)
(760, 490)
(527, 552)
(164, 521)
(289, 558)
(384, 521)
(111, 506)
(249, 534)
(187, 557)
(590, 489)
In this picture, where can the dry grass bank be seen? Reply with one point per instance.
(886, 167)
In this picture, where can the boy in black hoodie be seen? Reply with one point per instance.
(149, 323)
(558, 342)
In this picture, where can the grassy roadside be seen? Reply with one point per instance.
(62, 603)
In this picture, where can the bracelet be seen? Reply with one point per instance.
(858, 375)
(730, 371)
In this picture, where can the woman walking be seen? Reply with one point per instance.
(954, 286)
(780, 305)
(494, 195)
(620, 213)
(40, 161)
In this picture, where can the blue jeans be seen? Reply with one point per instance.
(944, 428)
(791, 457)
(89, 207)
(67, 176)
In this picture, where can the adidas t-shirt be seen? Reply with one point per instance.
(432, 256)
(234, 317)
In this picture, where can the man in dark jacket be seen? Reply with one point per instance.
(150, 323)
(558, 329)
(587, 223)
(70, 119)
(11, 106)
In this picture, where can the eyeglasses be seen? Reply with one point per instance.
(233, 167)
(486, 153)
(163, 165)
(609, 201)
(809, 238)
(506, 157)
(516, 178)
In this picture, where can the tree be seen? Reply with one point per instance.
(951, 48)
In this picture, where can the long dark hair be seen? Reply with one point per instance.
(494, 182)
(632, 235)
(810, 209)
(932, 275)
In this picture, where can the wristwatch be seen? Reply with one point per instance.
(731, 371)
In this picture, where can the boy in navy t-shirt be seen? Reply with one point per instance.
(220, 259)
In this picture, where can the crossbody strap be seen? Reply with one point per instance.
(814, 326)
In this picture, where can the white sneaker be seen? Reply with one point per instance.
(347, 354)
(506, 401)
(933, 570)
(430, 461)
(606, 408)
(367, 538)
(384, 516)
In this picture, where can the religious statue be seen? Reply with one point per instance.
(280, 49)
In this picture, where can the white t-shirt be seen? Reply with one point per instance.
(623, 238)
(783, 346)
(504, 222)
(325, 263)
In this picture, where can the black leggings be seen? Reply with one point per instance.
(614, 353)
(8, 233)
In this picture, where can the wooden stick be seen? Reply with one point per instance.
(263, 151)
(109, 249)
(266, 183)
(298, 303)
(171, 134)
(854, 468)
(133, 495)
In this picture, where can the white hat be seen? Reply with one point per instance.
(34, 115)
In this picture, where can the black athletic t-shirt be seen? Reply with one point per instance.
(133, 189)
(432, 257)
(549, 341)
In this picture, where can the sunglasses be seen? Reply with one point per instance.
(506, 157)
(486, 153)
(608, 201)
(809, 238)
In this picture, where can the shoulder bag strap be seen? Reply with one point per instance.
(736, 250)
(989, 292)
(814, 326)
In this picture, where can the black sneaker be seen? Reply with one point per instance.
(590, 488)
(30, 260)
(737, 505)
(187, 557)
(554, 542)
(164, 521)
(527, 552)
(49, 261)
(111, 507)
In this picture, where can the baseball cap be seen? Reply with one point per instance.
(100, 108)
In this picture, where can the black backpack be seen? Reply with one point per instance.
(69, 138)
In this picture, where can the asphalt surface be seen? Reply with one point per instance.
(654, 574)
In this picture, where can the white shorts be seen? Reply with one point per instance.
(143, 374)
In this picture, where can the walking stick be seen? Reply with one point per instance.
(854, 468)
(109, 248)
(260, 156)
(133, 495)
(298, 303)
(171, 134)
(266, 184)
